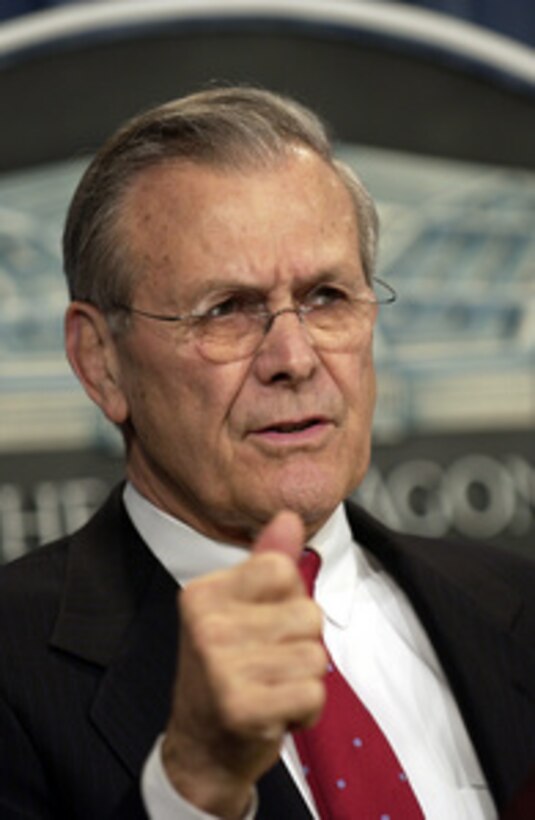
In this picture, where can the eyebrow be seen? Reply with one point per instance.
(214, 286)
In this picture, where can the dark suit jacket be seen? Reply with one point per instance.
(88, 638)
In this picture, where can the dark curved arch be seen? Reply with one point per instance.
(381, 74)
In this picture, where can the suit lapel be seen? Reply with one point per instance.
(133, 702)
(119, 611)
(279, 796)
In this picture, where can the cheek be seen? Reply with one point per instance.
(369, 383)
(360, 397)
(192, 400)
(152, 388)
(208, 391)
(356, 381)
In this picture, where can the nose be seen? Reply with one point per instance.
(275, 315)
(286, 352)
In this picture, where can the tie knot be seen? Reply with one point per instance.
(309, 564)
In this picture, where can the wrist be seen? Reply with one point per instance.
(210, 787)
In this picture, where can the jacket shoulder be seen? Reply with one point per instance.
(498, 581)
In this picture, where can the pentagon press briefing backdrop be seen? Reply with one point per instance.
(436, 115)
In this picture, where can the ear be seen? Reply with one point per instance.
(92, 353)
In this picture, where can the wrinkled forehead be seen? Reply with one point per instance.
(195, 222)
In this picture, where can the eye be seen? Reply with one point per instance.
(232, 305)
(325, 296)
(226, 307)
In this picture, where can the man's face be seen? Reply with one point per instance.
(224, 446)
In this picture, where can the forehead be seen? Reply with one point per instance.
(187, 223)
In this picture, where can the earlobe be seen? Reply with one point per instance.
(93, 356)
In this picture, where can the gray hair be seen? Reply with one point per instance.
(232, 128)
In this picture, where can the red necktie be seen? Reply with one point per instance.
(350, 767)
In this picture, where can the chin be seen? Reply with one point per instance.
(312, 491)
(312, 488)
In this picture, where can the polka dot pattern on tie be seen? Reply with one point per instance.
(351, 769)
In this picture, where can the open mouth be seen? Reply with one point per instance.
(289, 427)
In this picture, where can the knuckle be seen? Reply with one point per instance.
(315, 657)
(309, 612)
(308, 616)
(310, 660)
(204, 617)
(204, 624)
(314, 695)
(316, 618)
(210, 630)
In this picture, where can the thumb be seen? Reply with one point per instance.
(285, 533)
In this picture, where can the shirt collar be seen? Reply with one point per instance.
(186, 554)
(343, 567)
(183, 551)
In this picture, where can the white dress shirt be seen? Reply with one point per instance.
(378, 644)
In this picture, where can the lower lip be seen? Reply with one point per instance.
(309, 435)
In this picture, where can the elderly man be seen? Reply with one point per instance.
(167, 660)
